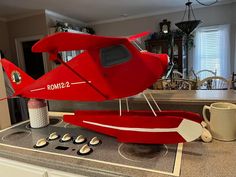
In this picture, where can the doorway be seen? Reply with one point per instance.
(34, 64)
(33, 61)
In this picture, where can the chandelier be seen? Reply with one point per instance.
(191, 24)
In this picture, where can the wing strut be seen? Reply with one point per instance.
(149, 104)
(81, 77)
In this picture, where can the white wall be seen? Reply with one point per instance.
(214, 15)
(52, 18)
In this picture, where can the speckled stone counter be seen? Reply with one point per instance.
(215, 159)
(192, 100)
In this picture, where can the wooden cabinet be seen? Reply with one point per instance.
(163, 46)
(11, 168)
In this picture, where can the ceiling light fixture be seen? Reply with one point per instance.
(207, 4)
(190, 25)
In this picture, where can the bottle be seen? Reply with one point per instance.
(38, 113)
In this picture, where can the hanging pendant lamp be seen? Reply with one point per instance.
(190, 25)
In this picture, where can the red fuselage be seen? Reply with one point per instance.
(98, 74)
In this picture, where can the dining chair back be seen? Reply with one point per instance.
(214, 83)
(177, 75)
(233, 81)
(202, 74)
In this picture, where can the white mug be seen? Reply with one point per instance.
(222, 121)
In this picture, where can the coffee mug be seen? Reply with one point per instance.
(222, 120)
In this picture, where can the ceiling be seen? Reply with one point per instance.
(94, 11)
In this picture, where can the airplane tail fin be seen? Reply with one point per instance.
(18, 78)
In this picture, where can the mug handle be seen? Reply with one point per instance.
(204, 114)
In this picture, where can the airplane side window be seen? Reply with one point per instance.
(114, 55)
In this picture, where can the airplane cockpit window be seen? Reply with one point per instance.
(113, 55)
(137, 45)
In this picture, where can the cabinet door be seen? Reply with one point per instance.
(178, 54)
(164, 46)
(157, 49)
(9, 168)
(56, 173)
(157, 46)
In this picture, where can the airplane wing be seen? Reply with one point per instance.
(65, 41)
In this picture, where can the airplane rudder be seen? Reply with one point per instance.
(17, 77)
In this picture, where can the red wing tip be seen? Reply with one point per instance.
(139, 35)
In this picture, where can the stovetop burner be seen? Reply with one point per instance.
(16, 135)
(55, 121)
(140, 152)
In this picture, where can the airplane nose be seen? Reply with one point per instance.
(157, 63)
(164, 60)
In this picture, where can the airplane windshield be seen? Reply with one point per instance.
(113, 55)
(137, 45)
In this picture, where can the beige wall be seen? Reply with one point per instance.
(4, 111)
(4, 46)
(210, 16)
(214, 15)
(4, 41)
(25, 27)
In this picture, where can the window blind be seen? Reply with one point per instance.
(212, 49)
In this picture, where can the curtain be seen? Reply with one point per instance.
(212, 49)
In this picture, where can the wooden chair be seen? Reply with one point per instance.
(158, 85)
(177, 75)
(176, 84)
(182, 84)
(202, 74)
(192, 75)
(233, 81)
(214, 83)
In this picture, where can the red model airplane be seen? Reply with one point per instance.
(109, 68)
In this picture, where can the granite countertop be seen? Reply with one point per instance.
(199, 159)
(192, 96)
(215, 159)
